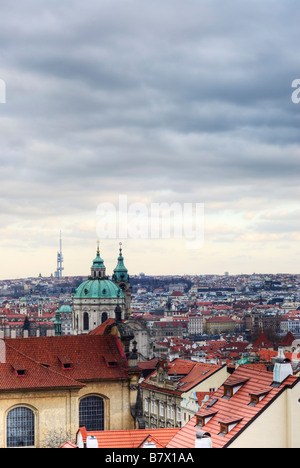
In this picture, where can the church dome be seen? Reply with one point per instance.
(65, 308)
(98, 289)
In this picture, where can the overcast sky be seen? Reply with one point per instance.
(160, 101)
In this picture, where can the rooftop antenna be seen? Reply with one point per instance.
(60, 259)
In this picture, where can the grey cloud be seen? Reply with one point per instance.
(108, 96)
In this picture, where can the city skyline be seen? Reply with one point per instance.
(171, 102)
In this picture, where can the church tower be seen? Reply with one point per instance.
(96, 300)
(168, 312)
(121, 278)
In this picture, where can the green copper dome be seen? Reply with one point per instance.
(98, 262)
(98, 289)
(65, 308)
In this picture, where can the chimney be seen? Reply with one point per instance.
(203, 440)
(91, 442)
(282, 368)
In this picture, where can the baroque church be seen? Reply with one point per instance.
(100, 298)
(51, 386)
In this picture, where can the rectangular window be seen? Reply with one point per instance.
(254, 400)
(227, 392)
(199, 421)
(223, 429)
(152, 406)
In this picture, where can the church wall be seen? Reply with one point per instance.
(95, 308)
(54, 413)
(57, 411)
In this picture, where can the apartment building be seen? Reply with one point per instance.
(253, 408)
(167, 389)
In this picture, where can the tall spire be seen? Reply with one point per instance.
(60, 259)
(120, 272)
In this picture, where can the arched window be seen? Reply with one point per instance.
(104, 317)
(20, 427)
(91, 413)
(86, 321)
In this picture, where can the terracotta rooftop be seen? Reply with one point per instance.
(191, 373)
(61, 361)
(262, 342)
(233, 410)
(134, 438)
(288, 340)
(103, 328)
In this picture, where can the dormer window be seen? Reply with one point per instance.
(65, 362)
(256, 397)
(227, 425)
(202, 420)
(254, 400)
(111, 363)
(67, 365)
(228, 392)
(223, 429)
(232, 386)
(19, 370)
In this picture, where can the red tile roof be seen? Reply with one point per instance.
(201, 396)
(102, 329)
(219, 319)
(43, 361)
(145, 365)
(234, 409)
(68, 445)
(131, 438)
(263, 342)
(192, 373)
(288, 340)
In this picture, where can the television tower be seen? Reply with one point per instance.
(60, 259)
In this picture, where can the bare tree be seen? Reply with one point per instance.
(55, 438)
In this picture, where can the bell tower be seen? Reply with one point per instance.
(121, 278)
(168, 312)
